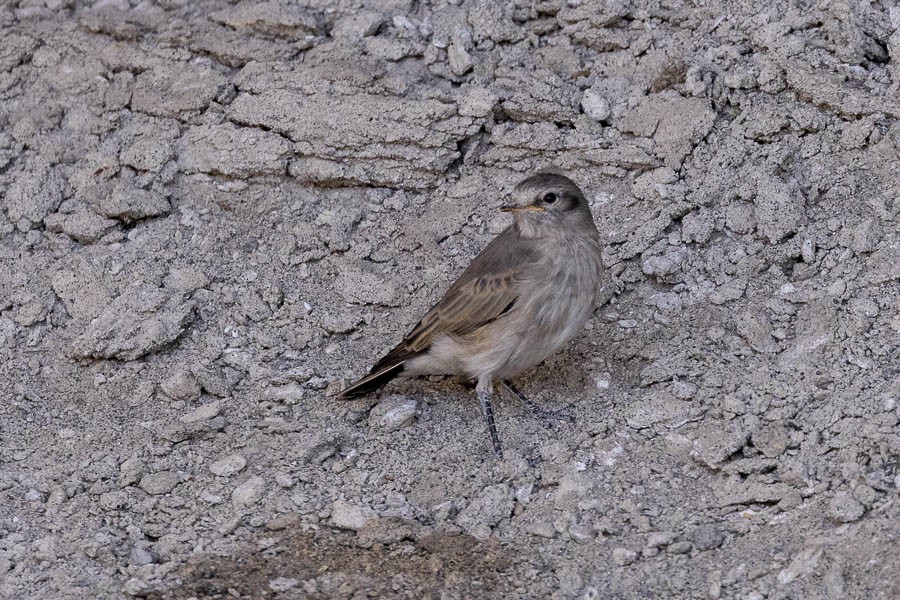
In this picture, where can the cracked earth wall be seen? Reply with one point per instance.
(216, 213)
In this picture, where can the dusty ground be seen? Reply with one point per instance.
(215, 213)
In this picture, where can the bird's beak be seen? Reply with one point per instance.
(514, 209)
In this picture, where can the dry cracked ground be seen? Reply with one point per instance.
(216, 213)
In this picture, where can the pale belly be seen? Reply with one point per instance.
(547, 317)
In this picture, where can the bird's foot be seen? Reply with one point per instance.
(487, 408)
(542, 414)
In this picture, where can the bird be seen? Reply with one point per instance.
(527, 294)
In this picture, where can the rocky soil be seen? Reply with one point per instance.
(214, 214)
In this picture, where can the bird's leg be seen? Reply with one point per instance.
(485, 389)
(537, 411)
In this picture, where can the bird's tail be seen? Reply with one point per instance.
(384, 370)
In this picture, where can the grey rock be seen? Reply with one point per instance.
(477, 102)
(387, 531)
(357, 25)
(272, 18)
(354, 137)
(129, 204)
(595, 105)
(203, 412)
(175, 89)
(83, 225)
(131, 471)
(844, 508)
(248, 493)
(135, 324)
(34, 193)
(487, 509)
(202, 429)
(393, 413)
(493, 21)
(290, 394)
(212, 381)
(181, 385)
(460, 60)
(772, 440)
(716, 443)
(707, 537)
(865, 494)
(185, 281)
(318, 447)
(226, 149)
(682, 547)
(141, 556)
(804, 563)
(229, 465)
(136, 587)
(659, 539)
(777, 209)
(149, 144)
(283, 584)
(675, 124)
(159, 483)
(624, 556)
(733, 493)
(756, 329)
(345, 515)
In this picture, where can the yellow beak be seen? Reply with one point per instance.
(515, 209)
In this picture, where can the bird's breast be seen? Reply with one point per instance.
(560, 297)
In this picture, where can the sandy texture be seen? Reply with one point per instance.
(214, 214)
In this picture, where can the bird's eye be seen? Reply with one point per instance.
(549, 197)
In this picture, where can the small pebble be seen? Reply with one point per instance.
(136, 587)
(581, 532)
(595, 105)
(684, 390)
(284, 480)
(159, 483)
(865, 494)
(248, 493)
(623, 556)
(202, 413)
(350, 516)
(394, 412)
(707, 537)
(181, 386)
(228, 466)
(283, 584)
(680, 548)
(283, 522)
(130, 472)
(844, 508)
(658, 539)
(142, 556)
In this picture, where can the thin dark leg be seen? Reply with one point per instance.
(536, 410)
(484, 396)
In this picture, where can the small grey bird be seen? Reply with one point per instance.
(529, 292)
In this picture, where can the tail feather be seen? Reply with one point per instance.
(371, 382)
(384, 370)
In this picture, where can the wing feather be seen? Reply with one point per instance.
(485, 291)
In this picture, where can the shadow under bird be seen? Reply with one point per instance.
(528, 293)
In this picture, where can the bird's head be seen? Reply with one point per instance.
(549, 204)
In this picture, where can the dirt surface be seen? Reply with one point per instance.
(216, 214)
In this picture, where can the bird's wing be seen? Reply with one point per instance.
(484, 292)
